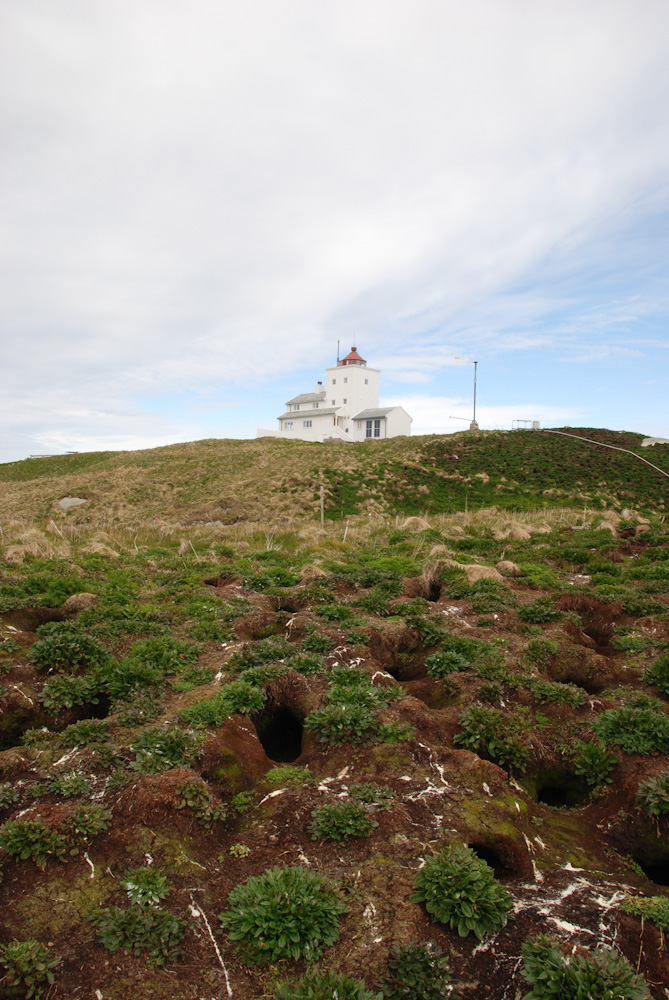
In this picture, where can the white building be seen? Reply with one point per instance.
(346, 408)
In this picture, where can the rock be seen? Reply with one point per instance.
(78, 602)
(68, 502)
(508, 568)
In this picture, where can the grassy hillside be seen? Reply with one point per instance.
(228, 480)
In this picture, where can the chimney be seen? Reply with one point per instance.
(319, 387)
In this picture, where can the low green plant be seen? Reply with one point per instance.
(324, 986)
(152, 930)
(242, 802)
(445, 662)
(9, 646)
(635, 730)
(87, 820)
(159, 749)
(343, 724)
(306, 663)
(592, 762)
(653, 794)
(191, 678)
(28, 964)
(419, 970)
(631, 643)
(490, 733)
(395, 732)
(540, 652)
(658, 674)
(239, 850)
(552, 972)
(60, 693)
(196, 796)
(139, 706)
(170, 655)
(461, 891)
(64, 646)
(341, 820)
(238, 696)
(33, 839)
(69, 785)
(88, 732)
(286, 913)
(9, 794)
(287, 775)
(539, 612)
(267, 650)
(144, 886)
(557, 693)
(379, 796)
(316, 642)
(655, 908)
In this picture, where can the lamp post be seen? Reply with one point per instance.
(473, 426)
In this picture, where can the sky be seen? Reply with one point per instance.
(198, 201)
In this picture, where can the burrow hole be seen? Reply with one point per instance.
(498, 860)
(280, 733)
(560, 789)
(653, 859)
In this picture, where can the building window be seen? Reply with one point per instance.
(345, 380)
(377, 428)
(315, 406)
(297, 407)
(288, 425)
(333, 402)
(368, 428)
(366, 381)
(344, 400)
(334, 381)
(307, 423)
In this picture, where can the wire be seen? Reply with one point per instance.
(614, 447)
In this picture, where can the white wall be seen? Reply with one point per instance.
(398, 422)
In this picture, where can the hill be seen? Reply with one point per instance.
(404, 755)
(230, 480)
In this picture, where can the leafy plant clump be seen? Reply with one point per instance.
(592, 762)
(140, 929)
(442, 663)
(635, 730)
(601, 975)
(490, 733)
(341, 820)
(658, 674)
(340, 724)
(417, 970)
(324, 986)
(461, 891)
(379, 796)
(559, 694)
(539, 612)
(28, 964)
(195, 795)
(8, 795)
(145, 886)
(285, 913)
(33, 839)
(653, 794)
(159, 750)
(64, 646)
(238, 696)
(655, 908)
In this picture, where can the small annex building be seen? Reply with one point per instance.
(346, 408)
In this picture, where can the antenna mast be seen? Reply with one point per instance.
(337, 352)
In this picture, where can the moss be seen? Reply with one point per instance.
(60, 904)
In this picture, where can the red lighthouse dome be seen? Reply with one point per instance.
(353, 359)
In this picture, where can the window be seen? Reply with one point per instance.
(366, 381)
(288, 425)
(344, 400)
(333, 402)
(334, 381)
(368, 428)
(377, 428)
(315, 406)
(307, 423)
(345, 380)
(297, 407)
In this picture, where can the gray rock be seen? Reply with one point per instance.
(67, 502)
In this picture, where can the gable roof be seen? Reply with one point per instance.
(309, 414)
(307, 397)
(371, 414)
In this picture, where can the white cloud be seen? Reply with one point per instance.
(214, 194)
(448, 414)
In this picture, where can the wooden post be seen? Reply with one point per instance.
(322, 508)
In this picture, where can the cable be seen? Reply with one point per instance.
(601, 444)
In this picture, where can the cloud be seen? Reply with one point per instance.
(207, 198)
(449, 414)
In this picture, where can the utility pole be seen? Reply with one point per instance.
(459, 361)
